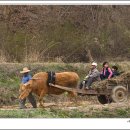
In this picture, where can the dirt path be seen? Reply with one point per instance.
(48, 105)
(81, 106)
(93, 107)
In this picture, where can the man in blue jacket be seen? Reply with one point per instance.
(25, 79)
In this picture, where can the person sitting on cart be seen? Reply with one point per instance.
(93, 75)
(106, 71)
(115, 71)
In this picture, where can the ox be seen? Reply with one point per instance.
(39, 86)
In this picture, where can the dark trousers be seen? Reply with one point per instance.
(89, 82)
(102, 77)
(31, 100)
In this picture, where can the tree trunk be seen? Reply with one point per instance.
(89, 55)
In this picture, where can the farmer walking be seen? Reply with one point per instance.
(25, 79)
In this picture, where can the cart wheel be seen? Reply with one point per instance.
(103, 99)
(119, 94)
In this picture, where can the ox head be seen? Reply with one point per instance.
(24, 90)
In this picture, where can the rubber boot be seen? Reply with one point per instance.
(32, 100)
(22, 104)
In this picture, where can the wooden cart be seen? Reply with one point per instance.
(111, 94)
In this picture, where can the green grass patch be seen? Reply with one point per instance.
(57, 113)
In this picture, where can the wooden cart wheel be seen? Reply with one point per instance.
(119, 94)
(103, 99)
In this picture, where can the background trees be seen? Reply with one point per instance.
(64, 33)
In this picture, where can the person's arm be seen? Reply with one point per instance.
(101, 72)
(87, 76)
(26, 79)
(110, 71)
(95, 74)
(23, 80)
(29, 77)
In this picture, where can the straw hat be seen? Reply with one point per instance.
(25, 70)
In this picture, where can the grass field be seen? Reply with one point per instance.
(57, 113)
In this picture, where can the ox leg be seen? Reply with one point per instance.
(73, 94)
(41, 101)
(73, 97)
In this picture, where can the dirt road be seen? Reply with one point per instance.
(81, 106)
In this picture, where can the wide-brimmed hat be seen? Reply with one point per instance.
(25, 70)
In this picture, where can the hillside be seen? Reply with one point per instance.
(64, 33)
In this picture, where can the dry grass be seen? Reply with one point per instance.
(3, 57)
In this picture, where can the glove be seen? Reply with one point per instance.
(83, 82)
(86, 78)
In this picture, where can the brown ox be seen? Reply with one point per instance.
(38, 85)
